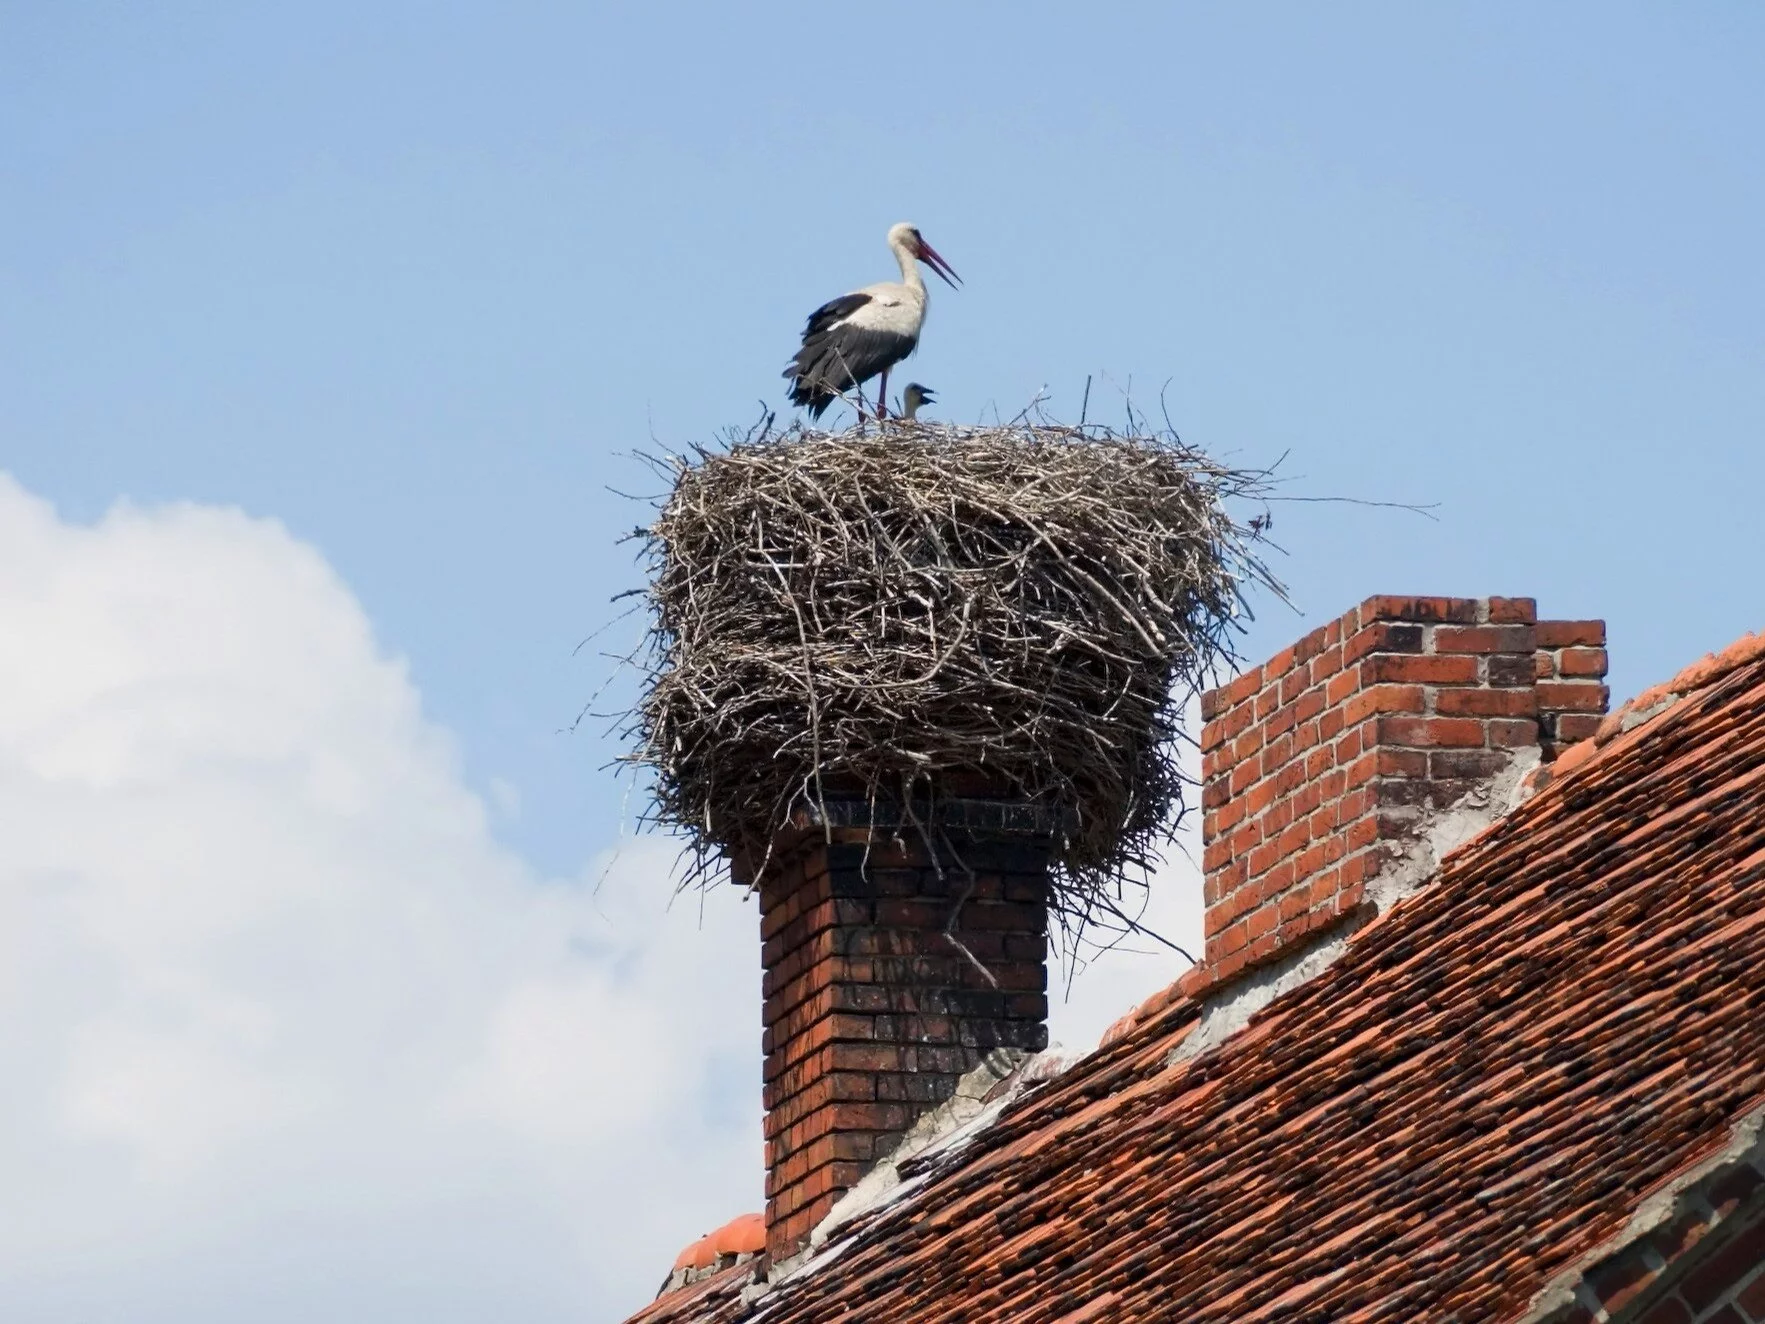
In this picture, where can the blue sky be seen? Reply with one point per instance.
(414, 279)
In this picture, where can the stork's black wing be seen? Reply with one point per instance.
(834, 361)
(832, 311)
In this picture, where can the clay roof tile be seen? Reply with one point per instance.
(740, 1236)
(1472, 1100)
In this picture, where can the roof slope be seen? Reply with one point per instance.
(1476, 1095)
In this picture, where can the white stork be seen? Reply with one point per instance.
(852, 338)
(912, 398)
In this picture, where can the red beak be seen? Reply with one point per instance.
(929, 256)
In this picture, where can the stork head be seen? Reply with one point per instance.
(913, 397)
(907, 238)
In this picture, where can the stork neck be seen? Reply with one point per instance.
(910, 276)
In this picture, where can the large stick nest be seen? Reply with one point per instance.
(903, 614)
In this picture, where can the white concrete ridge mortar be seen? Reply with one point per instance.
(1434, 834)
(981, 1096)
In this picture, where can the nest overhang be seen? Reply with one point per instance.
(909, 613)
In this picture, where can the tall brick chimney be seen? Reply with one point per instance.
(1336, 773)
(875, 1000)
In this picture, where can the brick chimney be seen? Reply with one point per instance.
(875, 1000)
(1337, 772)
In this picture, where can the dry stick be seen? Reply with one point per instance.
(1027, 618)
(1414, 509)
(809, 690)
(967, 888)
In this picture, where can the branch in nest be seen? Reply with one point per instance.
(1026, 607)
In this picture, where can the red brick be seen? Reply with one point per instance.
(1325, 664)
(1392, 607)
(1620, 1280)
(1280, 664)
(1268, 698)
(1420, 669)
(1243, 776)
(1670, 1310)
(1383, 637)
(1293, 839)
(1262, 859)
(1430, 732)
(1233, 938)
(1310, 704)
(1242, 752)
(1512, 733)
(1577, 726)
(1572, 696)
(1260, 921)
(1408, 763)
(1566, 634)
(1313, 858)
(1673, 1239)
(1280, 721)
(1278, 750)
(1260, 796)
(1291, 778)
(1262, 948)
(1310, 646)
(1341, 686)
(1582, 662)
(1752, 1299)
(1484, 639)
(1361, 771)
(1294, 684)
(1486, 703)
(1513, 611)
(1383, 699)
(1706, 1284)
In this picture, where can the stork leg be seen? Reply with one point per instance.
(882, 397)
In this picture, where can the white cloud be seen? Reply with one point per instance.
(285, 1033)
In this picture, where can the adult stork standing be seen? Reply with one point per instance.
(852, 338)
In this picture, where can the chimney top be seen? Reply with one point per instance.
(1337, 773)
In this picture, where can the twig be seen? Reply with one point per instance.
(1029, 603)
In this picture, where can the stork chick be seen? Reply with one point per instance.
(853, 338)
(912, 398)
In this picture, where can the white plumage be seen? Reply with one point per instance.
(855, 337)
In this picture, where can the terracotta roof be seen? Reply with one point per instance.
(712, 1256)
(1472, 1100)
(707, 1298)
